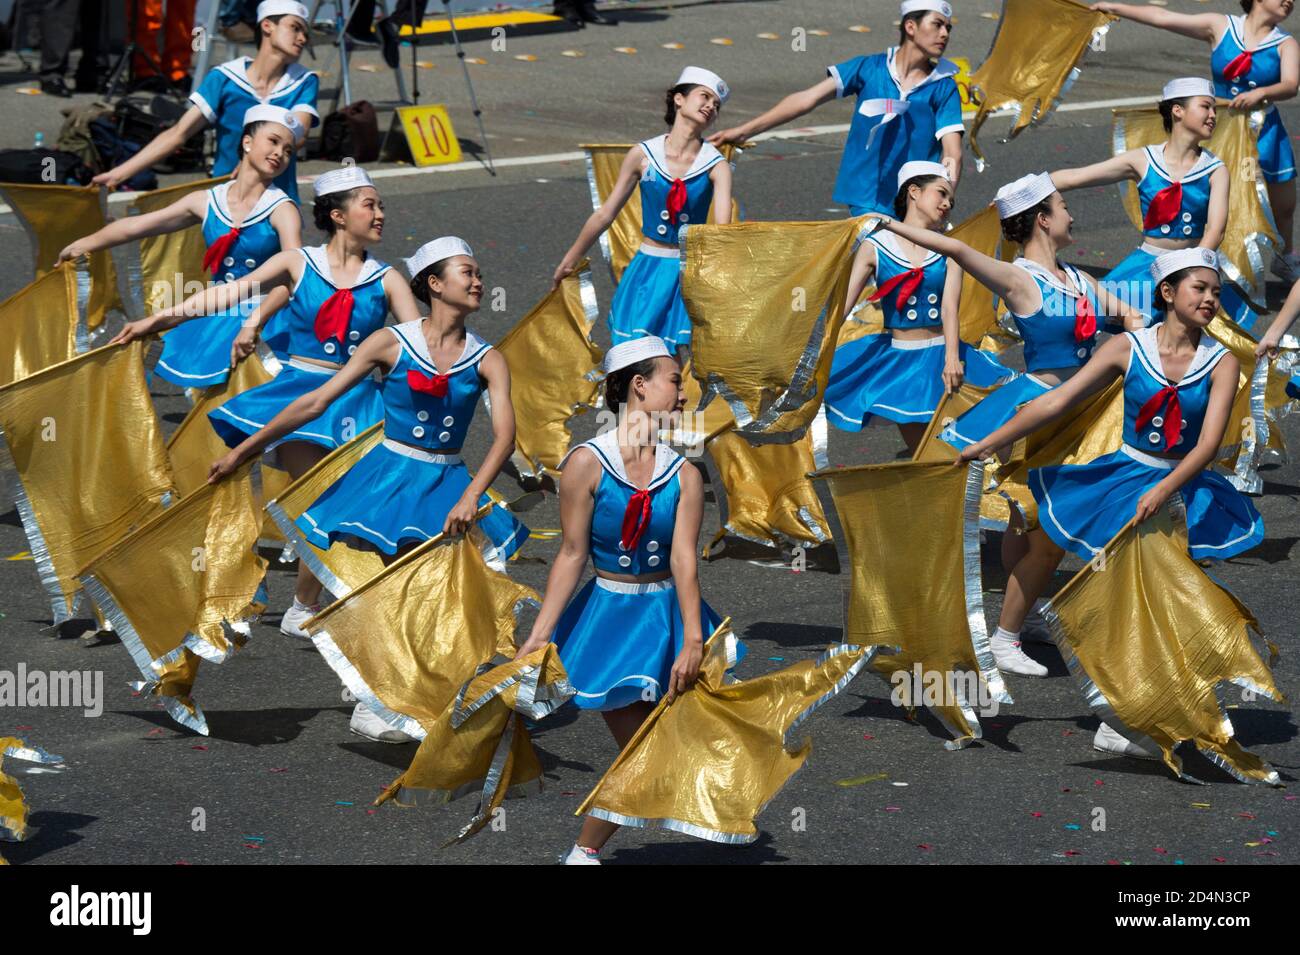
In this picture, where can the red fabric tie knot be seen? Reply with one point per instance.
(1166, 398)
(1164, 207)
(1085, 319)
(1237, 67)
(636, 519)
(218, 251)
(906, 282)
(333, 317)
(676, 199)
(436, 386)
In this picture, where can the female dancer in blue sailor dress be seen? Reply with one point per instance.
(681, 178)
(1179, 386)
(1254, 65)
(245, 221)
(1055, 307)
(1183, 194)
(413, 485)
(637, 629)
(340, 296)
(273, 76)
(902, 374)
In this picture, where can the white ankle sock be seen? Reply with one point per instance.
(299, 605)
(1006, 635)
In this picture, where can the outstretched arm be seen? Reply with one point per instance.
(629, 174)
(158, 149)
(184, 212)
(1107, 362)
(791, 107)
(1116, 169)
(1198, 26)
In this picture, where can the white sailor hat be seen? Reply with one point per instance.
(1187, 86)
(266, 113)
(638, 349)
(920, 167)
(698, 76)
(1025, 193)
(441, 248)
(916, 6)
(1170, 262)
(277, 8)
(341, 180)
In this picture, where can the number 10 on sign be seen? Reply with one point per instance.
(429, 134)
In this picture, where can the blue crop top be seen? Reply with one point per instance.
(1145, 378)
(656, 182)
(413, 414)
(613, 494)
(257, 241)
(369, 307)
(1265, 61)
(1048, 333)
(1189, 223)
(923, 308)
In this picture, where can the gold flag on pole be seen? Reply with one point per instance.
(38, 323)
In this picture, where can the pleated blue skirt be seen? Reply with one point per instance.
(347, 416)
(619, 641)
(1276, 157)
(879, 376)
(196, 354)
(648, 300)
(1083, 506)
(993, 412)
(395, 496)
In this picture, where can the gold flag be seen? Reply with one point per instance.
(56, 216)
(480, 742)
(1034, 61)
(1149, 637)
(90, 461)
(1250, 233)
(171, 266)
(553, 374)
(190, 577)
(13, 806)
(706, 764)
(766, 301)
(38, 323)
(342, 568)
(995, 511)
(172, 682)
(930, 605)
(620, 241)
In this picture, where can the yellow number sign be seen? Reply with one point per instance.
(429, 134)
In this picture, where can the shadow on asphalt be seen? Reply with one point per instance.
(699, 853)
(47, 831)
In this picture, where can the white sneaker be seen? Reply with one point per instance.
(580, 856)
(367, 724)
(1286, 267)
(293, 619)
(1108, 741)
(1011, 659)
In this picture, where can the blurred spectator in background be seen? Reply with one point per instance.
(237, 18)
(580, 12)
(174, 28)
(57, 22)
(370, 25)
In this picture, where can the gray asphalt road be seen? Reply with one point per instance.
(280, 779)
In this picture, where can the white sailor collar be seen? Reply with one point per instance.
(1078, 284)
(654, 148)
(413, 342)
(264, 206)
(371, 268)
(1237, 26)
(236, 71)
(605, 446)
(887, 243)
(1205, 164)
(1147, 350)
(943, 69)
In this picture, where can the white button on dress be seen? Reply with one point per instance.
(444, 437)
(329, 348)
(653, 561)
(449, 421)
(417, 432)
(625, 561)
(422, 415)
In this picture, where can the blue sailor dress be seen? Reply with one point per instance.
(895, 379)
(1083, 506)
(353, 411)
(648, 300)
(1276, 158)
(1050, 341)
(618, 641)
(401, 491)
(226, 94)
(196, 353)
